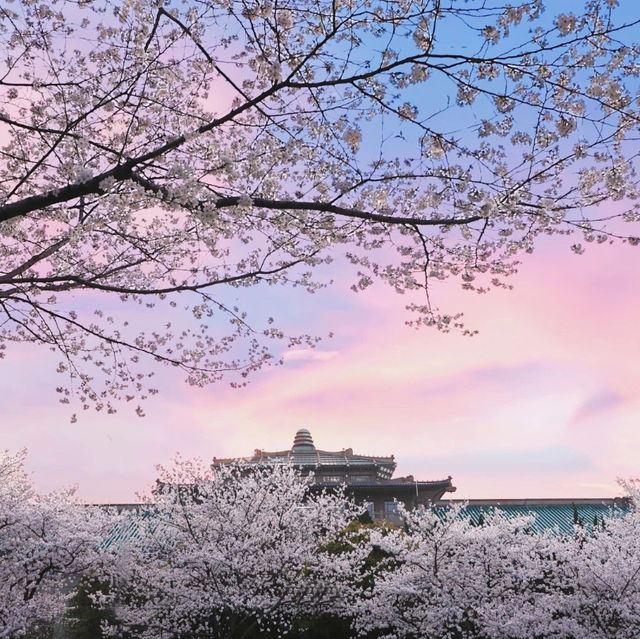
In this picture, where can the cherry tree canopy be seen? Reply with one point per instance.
(47, 542)
(447, 578)
(231, 552)
(241, 552)
(162, 152)
(602, 566)
(450, 578)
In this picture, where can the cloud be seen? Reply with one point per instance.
(597, 405)
(508, 461)
(602, 488)
(496, 376)
(308, 355)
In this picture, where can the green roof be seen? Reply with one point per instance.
(558, 516)
(555, 516)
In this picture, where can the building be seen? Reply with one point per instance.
(369, 479)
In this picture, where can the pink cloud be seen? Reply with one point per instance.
(308, 355)
(496, 411)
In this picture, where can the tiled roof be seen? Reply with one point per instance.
(128, 527)
(554, 515)
(551, 515)
(438, 483)
(314, 459)
(324, 457)
(304, 454)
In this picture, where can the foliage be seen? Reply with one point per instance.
(451, 578)
(603, 571)
(162, 153)
(239, 553)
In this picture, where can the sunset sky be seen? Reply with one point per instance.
(542, 403)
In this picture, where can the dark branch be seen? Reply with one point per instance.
(347, 212)
(163, 12)
(302, 205)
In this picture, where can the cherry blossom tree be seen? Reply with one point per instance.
(169, 153)
(230, 552)
(243, 552)
(448, 578)
(46, 544)
(600, 597)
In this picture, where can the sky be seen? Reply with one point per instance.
(543, 402)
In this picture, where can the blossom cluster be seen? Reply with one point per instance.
(450, 579)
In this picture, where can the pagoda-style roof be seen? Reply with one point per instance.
(307, 457)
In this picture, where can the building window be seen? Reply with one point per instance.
(371, 509)
(391, 510)
(368, 514)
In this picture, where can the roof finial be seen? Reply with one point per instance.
(303, 440)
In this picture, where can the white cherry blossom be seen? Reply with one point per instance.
(234, 550)
(159, 157)
(47, 543)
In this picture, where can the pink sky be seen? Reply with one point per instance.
(542, 403)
